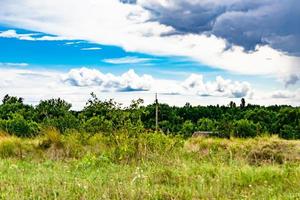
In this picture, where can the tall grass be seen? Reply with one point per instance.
(148, 166)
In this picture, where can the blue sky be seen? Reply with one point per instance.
(67, 54)
(64, 55)
(213, 53)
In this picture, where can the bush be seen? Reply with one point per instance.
(245, 128)
(20, 127)
(289, 132)
(98, 124)
(205, 124)
(187, 128)
(224, 129)
(288, 123)
(62, 123)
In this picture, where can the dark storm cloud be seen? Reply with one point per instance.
(241, 22)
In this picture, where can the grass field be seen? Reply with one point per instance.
(147, 166)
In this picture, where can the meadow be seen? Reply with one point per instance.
(149, 165)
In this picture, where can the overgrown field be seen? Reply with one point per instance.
(147, 166)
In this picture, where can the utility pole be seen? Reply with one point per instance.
(156, 113)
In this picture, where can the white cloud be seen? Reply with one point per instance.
(133, 28)
(90, 48)
(126, 60)
(220, 87)
(30, 36)
(285, 94)
(51, 38)
(14, 34)
(74, 42)
(76, 85)
(128, 81)
(5, 64)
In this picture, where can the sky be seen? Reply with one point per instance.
(204, 52)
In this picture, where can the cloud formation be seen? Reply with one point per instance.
(126, 60)
(282, 94)
(291, 79)
(90, 48)
(286, 94)
(128, 81)
(220, 87)
(76, 85)
(215, 33)
(242, 22)
(29, 36)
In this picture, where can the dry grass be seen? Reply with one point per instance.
(260, 150)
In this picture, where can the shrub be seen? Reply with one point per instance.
(20, 127)
(288, 123)
(245, 128)
(187, 128)
(289, 132)
(205, 124)
(98, 124)
(62, 123)
(224, 129)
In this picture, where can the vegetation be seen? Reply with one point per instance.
(106, 151)
(19, 119)
(147, 166)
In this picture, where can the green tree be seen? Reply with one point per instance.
(262, 116)
(98, 124)
(20, 127)
(63, 122)
(224, 127)
(12, 105)
(232, 104)
(245, 128)
(243, 103)
(52, 108)
(56, 113)
(289, 123)
(205, 124)
(187, 128)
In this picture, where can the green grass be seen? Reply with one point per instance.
(148, 166)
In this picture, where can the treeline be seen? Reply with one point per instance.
(107, 117)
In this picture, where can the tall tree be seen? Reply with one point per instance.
(243, 103)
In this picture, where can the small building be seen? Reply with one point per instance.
(202, 134)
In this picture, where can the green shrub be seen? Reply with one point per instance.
(205, 124)
(62, 123)
(98, 124)
(245, 128)
(20, 127)
(187, 128)
(290, 132)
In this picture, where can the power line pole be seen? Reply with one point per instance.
(156, 113)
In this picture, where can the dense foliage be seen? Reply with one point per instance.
(17, 118)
